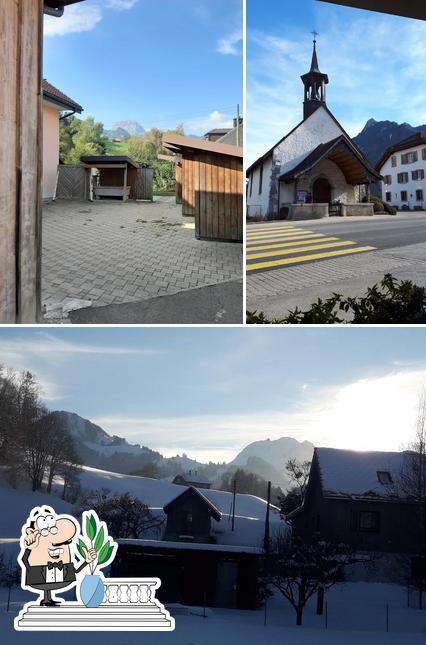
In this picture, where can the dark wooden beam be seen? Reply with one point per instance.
(21, 26)
(406, 8)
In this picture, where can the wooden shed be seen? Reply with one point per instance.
(213, 575)
(189, 517)
(119, 176)
(211, 176)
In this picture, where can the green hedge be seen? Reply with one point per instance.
(390, 301)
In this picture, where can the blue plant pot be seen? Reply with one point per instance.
(92, 591)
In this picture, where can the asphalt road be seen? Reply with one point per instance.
(215, 304)
(280, 244)
(383, 233)
(322, 257)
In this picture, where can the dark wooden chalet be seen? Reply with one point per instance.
(354, 497)
(193, 569)
(214, 575)
(189, 517)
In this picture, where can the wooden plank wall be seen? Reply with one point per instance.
(144, 183)
(20, 160)
(140, 180)
(212, 192)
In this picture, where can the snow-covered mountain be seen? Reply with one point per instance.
(97, 448)
(268, 458)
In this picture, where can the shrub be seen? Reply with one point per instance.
(390, 301)
(379, 205)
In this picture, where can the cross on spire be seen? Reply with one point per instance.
(315, 34)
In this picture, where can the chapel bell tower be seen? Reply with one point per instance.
(314, 82)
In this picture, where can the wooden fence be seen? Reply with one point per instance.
(144, 183)
(73, 182)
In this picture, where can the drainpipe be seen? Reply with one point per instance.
(56, 13)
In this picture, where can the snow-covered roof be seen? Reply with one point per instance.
(351, 473)
(156, 493)
(214, 511)
(196, 546)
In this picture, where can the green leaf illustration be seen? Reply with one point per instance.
(99, 540)
(90, 527)
(81, 548)
(105, 553)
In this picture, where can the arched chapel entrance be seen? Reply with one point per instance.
(321, 191)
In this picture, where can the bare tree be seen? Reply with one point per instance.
(299, 569)
(10, 576)
(61, 453)
(412, 482)
(125, 515)
(298, 474)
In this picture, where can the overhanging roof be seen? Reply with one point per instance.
(191, 490)
(178, 143)
(344, 154)
(107, 160)
(55, 4)
(407, 8)
(411, 142)
(53, 95)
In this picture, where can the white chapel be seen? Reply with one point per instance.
(314, 170)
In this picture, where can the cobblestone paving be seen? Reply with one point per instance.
(108, 252)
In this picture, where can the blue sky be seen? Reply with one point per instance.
(375, 63)
(159, 63)
(210, 392)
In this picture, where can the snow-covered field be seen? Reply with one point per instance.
(249, 510)
(356, 612)
(356, 616)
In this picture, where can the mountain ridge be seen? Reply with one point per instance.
(265, 457)
(377, 136)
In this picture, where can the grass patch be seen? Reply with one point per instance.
(164, 193)
(115, 148)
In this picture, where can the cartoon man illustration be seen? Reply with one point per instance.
(46, 553)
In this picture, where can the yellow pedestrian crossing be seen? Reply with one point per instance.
(267, 245)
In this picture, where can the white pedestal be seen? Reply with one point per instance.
(129, 605)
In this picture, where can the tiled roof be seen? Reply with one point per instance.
(51, 93)
(411, 142)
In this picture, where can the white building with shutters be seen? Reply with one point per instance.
(403, 167)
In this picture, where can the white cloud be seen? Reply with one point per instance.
(373, 71)
(76, 18)
(376, 413)
(214, 120)
(22, 352)
(230, 43)
(120, 4)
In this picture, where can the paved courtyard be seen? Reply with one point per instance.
(103, 253)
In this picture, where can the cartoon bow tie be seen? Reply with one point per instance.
(52, 565)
